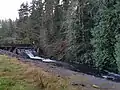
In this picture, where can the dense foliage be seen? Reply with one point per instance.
(79, 31)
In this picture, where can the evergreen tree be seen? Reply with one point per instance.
(117, 30)
(78, 34)
(104, 39)
(23, 24)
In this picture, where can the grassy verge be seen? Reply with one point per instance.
(15, 75)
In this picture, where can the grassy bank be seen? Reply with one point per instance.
(16, 75)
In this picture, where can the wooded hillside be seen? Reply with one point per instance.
(78, 31)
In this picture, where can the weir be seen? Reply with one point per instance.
(27, 51)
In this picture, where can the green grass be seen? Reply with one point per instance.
(10, 73)
(15, 75)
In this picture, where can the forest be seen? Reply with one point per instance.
(77, 31)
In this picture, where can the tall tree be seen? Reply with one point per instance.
(104, 39)
(79, 34)
(23, 24)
